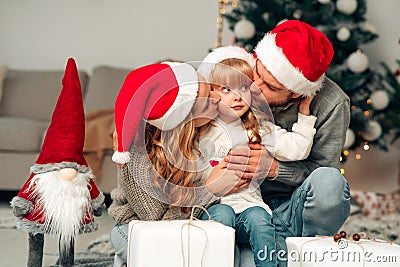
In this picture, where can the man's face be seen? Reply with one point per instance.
(273, 91)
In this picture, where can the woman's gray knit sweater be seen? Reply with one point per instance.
(134, 198)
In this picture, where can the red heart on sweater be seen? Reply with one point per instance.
(214, 163)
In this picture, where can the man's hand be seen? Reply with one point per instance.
(222, 181)
(253, 163)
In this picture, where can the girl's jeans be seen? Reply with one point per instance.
(319, 206)
(253, 227)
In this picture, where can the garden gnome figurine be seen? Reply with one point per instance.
(60, 196)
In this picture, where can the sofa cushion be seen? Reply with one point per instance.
(33, 94)
(19, 134)
(103, 87)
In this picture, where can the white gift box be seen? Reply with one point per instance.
(324, 251)
(178, 243)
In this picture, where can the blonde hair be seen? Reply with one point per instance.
(222, 74)
(174, 161)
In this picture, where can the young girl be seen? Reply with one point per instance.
(158, 179)
(237, 126)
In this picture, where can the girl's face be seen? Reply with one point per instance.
(205, 107)
(235, 99)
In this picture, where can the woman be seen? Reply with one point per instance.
(160, 166)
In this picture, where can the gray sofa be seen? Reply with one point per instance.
(27, 103)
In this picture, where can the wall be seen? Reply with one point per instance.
(41, 34)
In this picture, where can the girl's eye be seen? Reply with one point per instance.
(245, 87)
(226, 89)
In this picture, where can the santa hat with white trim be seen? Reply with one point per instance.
(297, 55)
(163, 94)
(221, 53)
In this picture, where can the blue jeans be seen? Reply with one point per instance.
(253, 227)
(119, 239)
(319, 206)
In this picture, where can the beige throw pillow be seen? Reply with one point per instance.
(3, 73)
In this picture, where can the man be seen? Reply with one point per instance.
(308, 197)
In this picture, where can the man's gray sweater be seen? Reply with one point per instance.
(331, 106)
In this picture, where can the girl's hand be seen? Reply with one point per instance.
(304, 107)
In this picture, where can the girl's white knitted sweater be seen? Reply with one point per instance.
(283, 145)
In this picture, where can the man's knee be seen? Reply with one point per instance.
(329, 185)
(327, 203)
(327, 176)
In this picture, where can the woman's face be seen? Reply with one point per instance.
(205, 107)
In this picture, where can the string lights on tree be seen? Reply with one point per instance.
(374, 96)
(222, 10)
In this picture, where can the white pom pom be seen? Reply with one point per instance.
(373, 131)
(380, 99)
(343, 34)
(244, 29)
(121, 157)
(350, 138)
(357, 62)
(347, 7)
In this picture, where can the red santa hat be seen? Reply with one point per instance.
(163, 94)
(63, 144)
(221, 53)
(297, 55)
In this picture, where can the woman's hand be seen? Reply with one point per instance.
(222, 181)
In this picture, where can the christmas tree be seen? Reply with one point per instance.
(375, 106)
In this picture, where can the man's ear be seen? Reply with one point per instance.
(296, 95)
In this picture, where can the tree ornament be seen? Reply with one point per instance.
(244, 29)
(380, 99)
(297, 14)
(347, 7)
(357, 62)
(350, 138)
(343, 34)
(373, 131)
(368, 27)
(324, 1)
(266, 16)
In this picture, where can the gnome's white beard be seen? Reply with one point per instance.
(64, 204)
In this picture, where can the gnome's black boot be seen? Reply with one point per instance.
(35, 254)
(66, 254)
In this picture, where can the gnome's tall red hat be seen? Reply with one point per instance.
(63, 144)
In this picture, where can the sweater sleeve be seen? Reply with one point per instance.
(291, 146)
(134, 179)
(325, 152)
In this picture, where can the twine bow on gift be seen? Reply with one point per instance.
(342, 240)
(190, 224)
